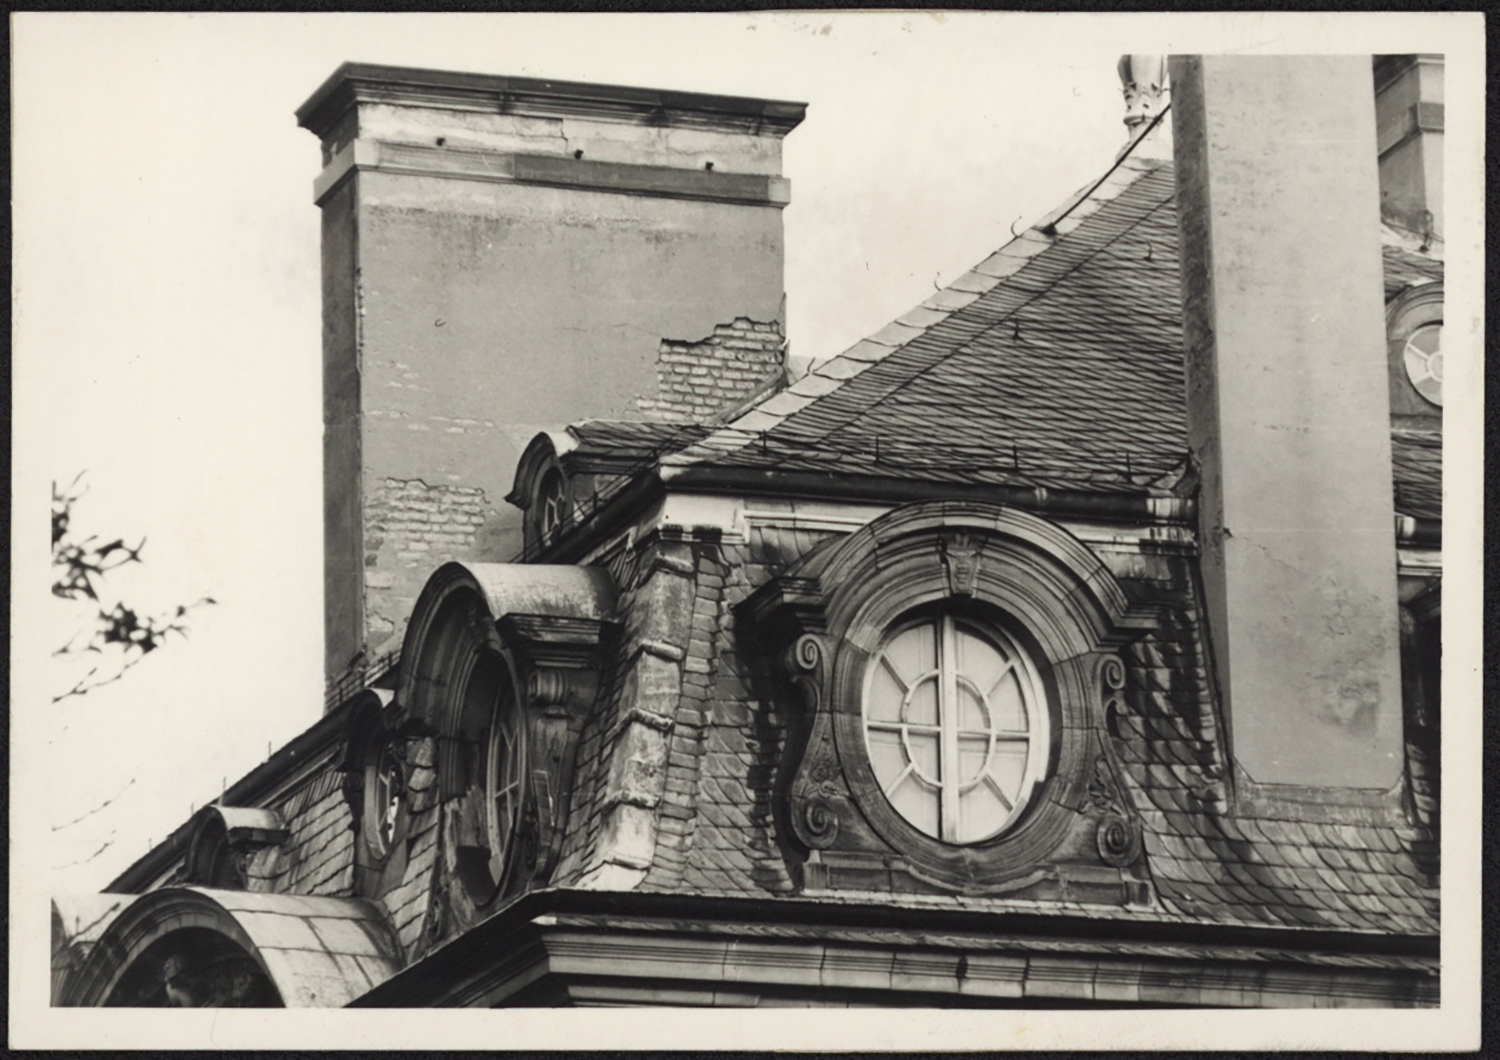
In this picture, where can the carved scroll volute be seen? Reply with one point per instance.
(1118, 833)
(817, 794)
(802, 664)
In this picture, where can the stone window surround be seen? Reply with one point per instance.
(538, 633)
(825, 620)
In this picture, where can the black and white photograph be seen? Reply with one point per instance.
(939, 514)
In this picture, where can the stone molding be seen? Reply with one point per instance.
(506, 167)
(558, 958)
(355, 83)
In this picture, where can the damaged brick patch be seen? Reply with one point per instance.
(411, 528)
(696, 380)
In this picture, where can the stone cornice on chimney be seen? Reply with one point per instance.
(354, 83)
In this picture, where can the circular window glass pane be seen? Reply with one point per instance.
(505, 774)
(955, 726)
(389, 786)
(1424, 361)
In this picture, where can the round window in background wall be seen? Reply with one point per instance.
(955, 724)
(385, 788)
(1423, 357)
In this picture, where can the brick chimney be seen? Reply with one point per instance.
(1288, 411)
(502, 256)
(1409, 133)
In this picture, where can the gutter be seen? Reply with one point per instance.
(1090, 504)
(648, 487)
(1411, 530)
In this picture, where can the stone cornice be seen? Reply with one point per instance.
(505, 167)
(355, 83)
(809, 947)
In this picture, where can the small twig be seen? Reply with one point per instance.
(83, 687)
(84, 861)
(96, 809)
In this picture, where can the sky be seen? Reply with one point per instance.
(166, 307)
(168, 302)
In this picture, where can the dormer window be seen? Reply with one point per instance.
(948, 672)
(552, 504)
(386, 788)
(1414, 334)
(956, 727)
(505, 788)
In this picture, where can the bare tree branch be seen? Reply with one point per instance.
(84, 861)
(79, 569)
(89, 813)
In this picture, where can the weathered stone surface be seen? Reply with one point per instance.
(1288, 410)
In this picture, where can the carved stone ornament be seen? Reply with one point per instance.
(560, 660)
(1118, 833)
(823, 625)
(820, 821)
(960, 555)
(1143, 78)
(819, 784)
(1119, 840)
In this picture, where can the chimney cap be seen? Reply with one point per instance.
(354, 83)
(1143, 78)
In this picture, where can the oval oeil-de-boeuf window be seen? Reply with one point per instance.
(1423, 356)
(956, 727)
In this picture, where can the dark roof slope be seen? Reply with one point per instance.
(1057, 362)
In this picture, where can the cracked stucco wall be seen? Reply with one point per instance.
(462, 317)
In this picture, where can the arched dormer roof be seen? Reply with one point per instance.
(219, 831)
(541, 455)
(282, 950)
(519, 613)
(1073, 597)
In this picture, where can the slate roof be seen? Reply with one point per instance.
(1406, 268)
(1284, 866)
(1056, 362)
(1290, 868)
(606, 445)
(1067, 352)
(1417, 463)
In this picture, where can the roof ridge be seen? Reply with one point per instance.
(831, 374)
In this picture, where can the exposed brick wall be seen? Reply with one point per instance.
(411, 528)
(696, 380)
